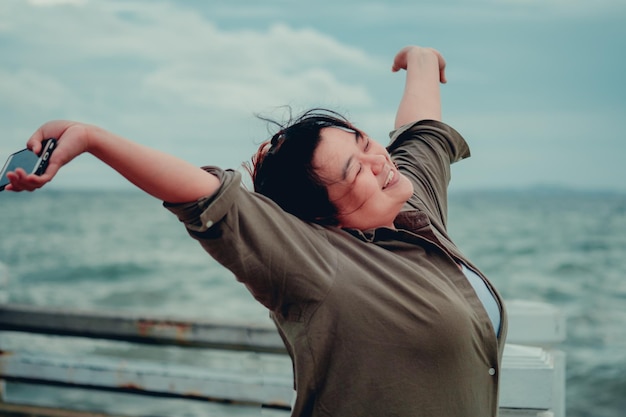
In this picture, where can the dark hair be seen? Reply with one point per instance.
(282, 167)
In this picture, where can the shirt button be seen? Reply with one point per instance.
(209, 223)
(492, 371)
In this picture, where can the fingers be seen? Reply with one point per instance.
(401, 59)
(442, 66)
(34, 143)
(53, 129)
(21, 181)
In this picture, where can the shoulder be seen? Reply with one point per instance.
(435, 133)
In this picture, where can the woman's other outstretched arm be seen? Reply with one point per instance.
(425, 69)
(161, 175)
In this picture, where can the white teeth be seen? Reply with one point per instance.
(389, 178)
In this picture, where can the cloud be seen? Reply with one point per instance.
(24, 89)
(475, 11)
(176, 54)
(189, 76)
(165, 75)
(249, 69)
(50, 3)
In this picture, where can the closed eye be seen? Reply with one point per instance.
(366, 147)
(358, 137)
(365, 139)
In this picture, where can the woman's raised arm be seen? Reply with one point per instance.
(425, 69)
(159, 174)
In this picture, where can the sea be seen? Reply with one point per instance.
(122, 251)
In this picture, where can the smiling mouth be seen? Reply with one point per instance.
(390, 177)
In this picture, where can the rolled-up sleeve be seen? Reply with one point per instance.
(282, 260)
(424, 152)
(200, 215)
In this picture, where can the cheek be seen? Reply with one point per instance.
(347, 200)
(341, 198)
(366, 193)
(407, 187)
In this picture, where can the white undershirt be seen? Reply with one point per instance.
(486, 297)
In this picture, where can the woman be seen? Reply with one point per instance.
(345, 242)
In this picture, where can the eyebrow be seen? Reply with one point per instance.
(346, 167)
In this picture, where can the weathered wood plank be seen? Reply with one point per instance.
(530, 323)
(527, 380)
(512, 412)
(23, 410)
(140, 329)
(148, 378)
(532, 381)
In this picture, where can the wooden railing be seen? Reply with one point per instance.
(532, 381)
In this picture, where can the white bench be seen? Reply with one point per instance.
(532, 382)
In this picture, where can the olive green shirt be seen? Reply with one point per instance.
(377, 322)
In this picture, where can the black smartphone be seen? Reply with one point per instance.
(28, 160)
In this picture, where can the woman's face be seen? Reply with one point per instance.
(362, 181)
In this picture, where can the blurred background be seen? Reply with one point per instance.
(536, 88)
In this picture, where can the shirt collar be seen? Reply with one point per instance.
(409, 220)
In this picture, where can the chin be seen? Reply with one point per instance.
(405, 188)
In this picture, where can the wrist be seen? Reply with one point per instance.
(94, 138)
(422, 57)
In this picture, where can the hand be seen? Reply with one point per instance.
(402, 59)
(72, 141)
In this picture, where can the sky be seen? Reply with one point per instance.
(536, 87)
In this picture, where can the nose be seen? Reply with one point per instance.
(376, 162)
